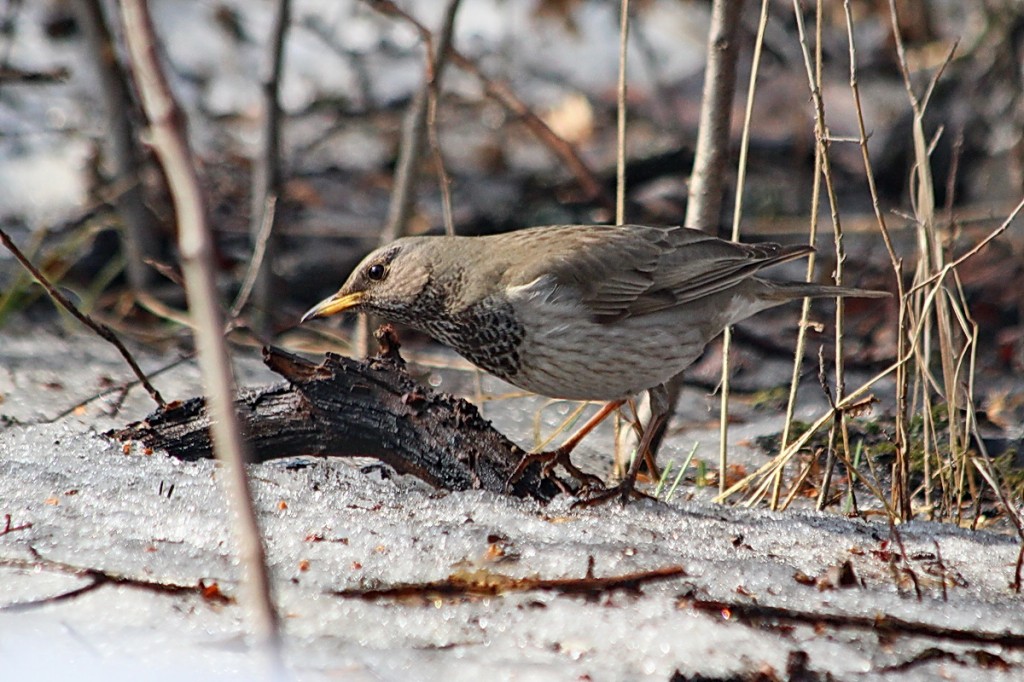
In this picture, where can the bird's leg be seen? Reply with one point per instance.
(626, 489)
(649, 453)
(560, 455)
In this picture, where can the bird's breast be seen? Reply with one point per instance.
(486, 333)
(566, 353)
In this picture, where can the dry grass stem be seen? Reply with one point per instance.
(620, 151)
(741, 176)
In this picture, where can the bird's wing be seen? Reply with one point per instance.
(699, 265)
(624, 271)
(605, 268)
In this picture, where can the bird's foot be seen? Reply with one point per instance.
(622, 492)
(550, 460)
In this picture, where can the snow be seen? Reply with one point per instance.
(330, 527)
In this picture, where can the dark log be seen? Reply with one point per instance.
(349, 408)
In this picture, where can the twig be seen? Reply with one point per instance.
(9, 526)
(99, 578)
(1017, 570)
(873, 622)
(487, 583)
(414, 132)
(415, 126)
(801, 336)
(830, 456)
(170, 144)
(252, 273)
(904, 559)
(267, 177)
(942, 570)
(419, 124)
(620, 187)
(10, 75)
(103, 330)
(901, 379)
(823, 140)
(123, 388)
(591, 186)
(741, 176)
(708, 177)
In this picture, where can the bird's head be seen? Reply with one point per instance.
(388, 282)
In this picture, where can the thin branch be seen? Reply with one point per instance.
(98, 578)
(419, 125)
(620, 156)
(15, 76)
(418, 122)
(439, 60)
(489, 583)
(169, 140)
(822, 144)
(122, 388)
(103, 330)
(902, 379)
(875, 623)
(259, 251)
(414, 133)
(741, 176)
(591, 186)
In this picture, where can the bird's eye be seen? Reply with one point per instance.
(376, 272)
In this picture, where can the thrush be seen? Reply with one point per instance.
(579, 312)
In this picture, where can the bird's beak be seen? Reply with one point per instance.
(333, 305)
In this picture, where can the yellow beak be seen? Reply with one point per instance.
(333, 305)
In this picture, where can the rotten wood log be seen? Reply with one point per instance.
(348, 408)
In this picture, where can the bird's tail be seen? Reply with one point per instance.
(787, 291)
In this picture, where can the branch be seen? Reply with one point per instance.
(347, 408)
(103, 330)
(170, 142)
(591, 186)
(139, 235)
(266, 180)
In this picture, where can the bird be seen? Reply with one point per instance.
(577, 312)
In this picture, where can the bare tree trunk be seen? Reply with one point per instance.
(140, 238)
(351, 408)
(266, 182)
